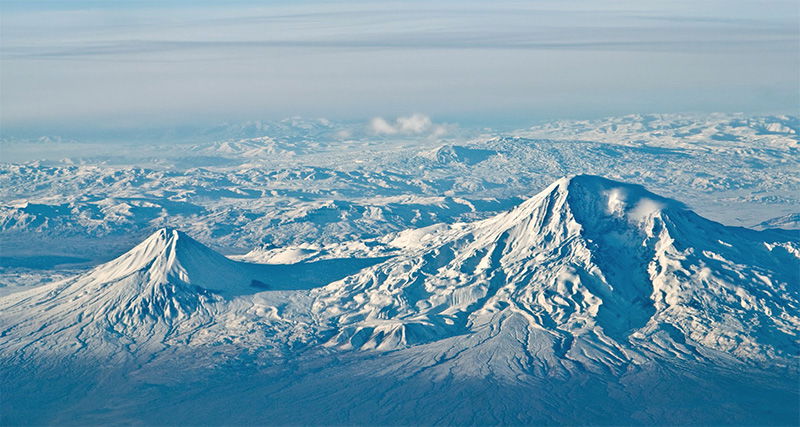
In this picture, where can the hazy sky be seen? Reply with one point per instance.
(102, 64)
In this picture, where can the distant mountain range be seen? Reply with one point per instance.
(289, 183)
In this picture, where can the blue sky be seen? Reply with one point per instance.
(115, 65)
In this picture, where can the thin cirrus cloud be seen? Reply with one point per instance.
(435, 29)
(777, 42)
(101, 64)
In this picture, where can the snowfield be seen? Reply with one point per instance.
(633, 270)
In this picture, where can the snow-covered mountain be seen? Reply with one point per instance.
(166, 286)
(253, 148)
(589, 274)
(449, 153)
(592, 303)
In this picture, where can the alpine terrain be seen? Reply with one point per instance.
(595, 301)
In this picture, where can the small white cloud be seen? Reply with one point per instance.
(380, 126)
(616, 202)
(415, 124)
(645, 208)
(620, 204)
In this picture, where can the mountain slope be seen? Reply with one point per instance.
(589, 274)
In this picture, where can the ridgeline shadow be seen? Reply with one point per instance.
(306, 275)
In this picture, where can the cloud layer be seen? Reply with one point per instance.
(122, 64)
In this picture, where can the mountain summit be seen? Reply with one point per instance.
(171, 257)
(589, 273)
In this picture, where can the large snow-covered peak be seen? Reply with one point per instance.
(579, 212)
(589, 271)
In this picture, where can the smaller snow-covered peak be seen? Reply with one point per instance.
(168, 282)
(163, 243)
(165, 238)
(172, 256)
